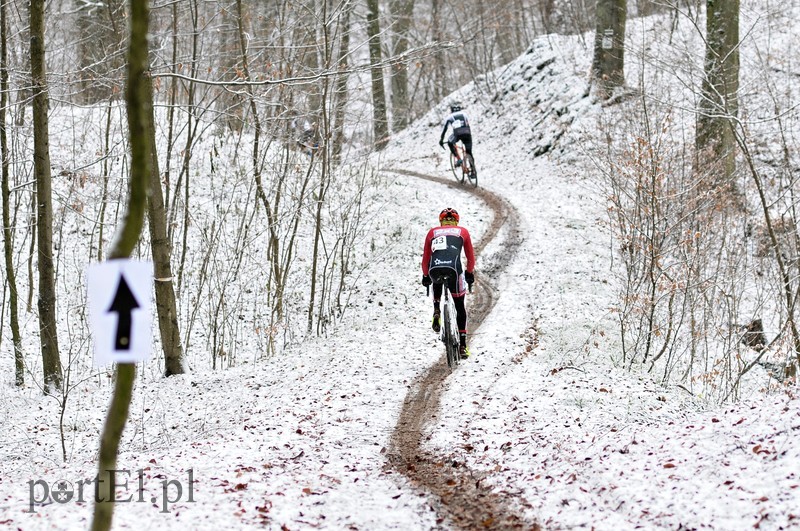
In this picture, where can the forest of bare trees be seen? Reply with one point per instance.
(256, 120)
(261, 112)
(702, 208)
(283, 86)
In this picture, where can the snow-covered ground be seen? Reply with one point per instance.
(299, 441)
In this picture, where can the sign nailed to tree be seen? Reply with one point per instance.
(119, 310)
(608, 39)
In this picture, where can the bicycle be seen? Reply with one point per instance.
(449, 333)
(467, 167)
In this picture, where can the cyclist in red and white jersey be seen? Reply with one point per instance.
(441, 255)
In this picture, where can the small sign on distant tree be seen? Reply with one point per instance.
(119, 310)
(608, 39)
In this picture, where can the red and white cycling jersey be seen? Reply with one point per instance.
(443, 246)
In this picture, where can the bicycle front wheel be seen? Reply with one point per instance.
(455, 169)
(450, 333)
(473, 172)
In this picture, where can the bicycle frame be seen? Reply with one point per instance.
(467, 167)
(449, 333)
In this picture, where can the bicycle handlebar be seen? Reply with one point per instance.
(428, 289)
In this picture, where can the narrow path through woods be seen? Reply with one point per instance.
(462, 499)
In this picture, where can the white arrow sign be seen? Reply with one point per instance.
(119, 310)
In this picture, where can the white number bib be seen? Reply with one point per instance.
(439, 244)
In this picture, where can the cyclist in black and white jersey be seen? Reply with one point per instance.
(461, 131)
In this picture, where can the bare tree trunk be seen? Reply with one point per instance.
(714, 139)
(307, 37)
(44, 204)
(8, 233)
(790, 294)
(379, 122)
(440, 85)
(31, 252)
(608, 63)
(173, 96)
(191, 131)
(128, 237)
(403, 11)
(325, 169)
(321, 191)
(166, 306)
(340, 86)
(274, 240)
(104, 197)
(98, 47)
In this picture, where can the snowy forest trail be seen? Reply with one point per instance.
(462, 497)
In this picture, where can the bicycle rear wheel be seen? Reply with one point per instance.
(473, 172)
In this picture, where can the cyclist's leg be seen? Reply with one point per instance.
(459, 297)
(461, 320)
(461, 314)
(467, 141)
(437, 296)
(451, 142)
(458, 291)
(458, 287)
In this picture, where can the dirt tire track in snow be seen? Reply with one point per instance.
(461, 496)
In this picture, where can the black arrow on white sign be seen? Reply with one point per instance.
(123, 304)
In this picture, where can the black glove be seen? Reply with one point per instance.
(426, 280)
(469, 276)
(441, 143)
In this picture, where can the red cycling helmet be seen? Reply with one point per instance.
(448, 213)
